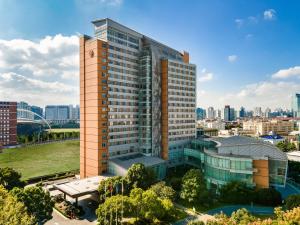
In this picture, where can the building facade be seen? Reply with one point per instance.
(24, 111)
(200, 114)
(39, 111)
(296, 105)
(8, 123)
(57, 113)
(257, 163)
(137, 96)
(211, 113)
(264, 127)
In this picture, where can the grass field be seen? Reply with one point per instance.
(57, 130)
(39, 160)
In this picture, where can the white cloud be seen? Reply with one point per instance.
(266, 94)
(239, 22)
(232, 58)
(287, 73)
(16, 87)
(42, 71)
(270, 14)
(205, 76)
(51, 56)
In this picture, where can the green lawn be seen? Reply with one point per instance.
(43, 159)
(57, 130)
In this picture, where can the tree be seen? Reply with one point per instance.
(193, 187)
(10, 178)
(38, 202)
(112, 185)
(163, 191)
(267, 196)
(242, 217)
(111, 209)
(236, 192)
(292, 201)
(140, 176)
(148, 207)
(286, 146)
(13, 212)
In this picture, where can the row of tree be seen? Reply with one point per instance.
(137, 197)
(243, 217)
(46, 136)
(21, 205)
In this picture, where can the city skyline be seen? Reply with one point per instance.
(243, 56)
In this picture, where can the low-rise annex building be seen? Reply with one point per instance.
(255, 162)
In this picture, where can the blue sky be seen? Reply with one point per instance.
(247, 52)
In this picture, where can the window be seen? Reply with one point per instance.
(104, 45)
(103, 145)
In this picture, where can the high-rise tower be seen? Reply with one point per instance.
(136, 96)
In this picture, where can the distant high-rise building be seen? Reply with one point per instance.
(268, 112)
(200, 113)
(57, 112)
(211, 113)
(8, 123)
(258, 111)
(296, 105)
(227, 113)
(24, 111)
(242, 112)
(37, 110)
(233, 114)
(76, 113)
(219, 113)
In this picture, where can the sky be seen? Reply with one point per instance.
(247, 52)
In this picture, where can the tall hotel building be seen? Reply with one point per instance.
(137, 100)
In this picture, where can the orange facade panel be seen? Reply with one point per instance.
(92, 64)
(186, 57)
(261, 174)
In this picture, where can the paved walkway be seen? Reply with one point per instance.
(192, 216)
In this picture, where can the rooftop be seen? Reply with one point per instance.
(272, 137)
(81, 187)
(294, 156)
(127, 161)
(247, 146)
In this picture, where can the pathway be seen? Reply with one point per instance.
(192, 216)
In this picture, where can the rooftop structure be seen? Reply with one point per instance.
(82, 187)
(250, 160)
(120, 165)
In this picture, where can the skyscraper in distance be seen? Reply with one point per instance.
(136, 96)
(296, 105)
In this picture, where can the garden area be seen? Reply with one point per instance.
(41, 160)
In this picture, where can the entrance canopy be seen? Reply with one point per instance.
(78, 188)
